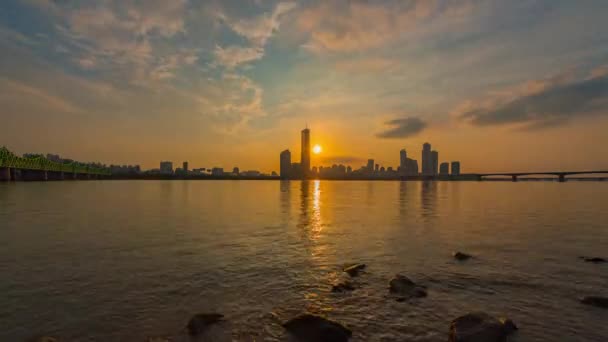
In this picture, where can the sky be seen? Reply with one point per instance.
(519, 85)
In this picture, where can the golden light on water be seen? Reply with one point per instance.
(317, 149)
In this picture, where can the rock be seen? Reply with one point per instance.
(343, 287)
(461, 256)
(480, 327)
(200, 322)
(594, 260)
(353, 270)
(311, 328)
(600, 302)
(406, 288)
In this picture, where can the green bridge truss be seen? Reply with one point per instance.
(9, 159)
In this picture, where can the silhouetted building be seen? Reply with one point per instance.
(370, 165)
(235, 171)
(444, 169)
(427, 162)
(349, 169)
(185, 166)
(402, 160)
(434, 162)
(166, 167)
(286, 166)
(455, 168)
(217, 171)
(305, 160)
(296, 171)
(411, 167)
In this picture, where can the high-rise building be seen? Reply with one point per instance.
(285, 168)
(444, 169)
(166, 167)
(403, 161)
(217, 171)
(305, 160)
(455, 168)
(434, 162)
(236, 171)
(370, 165)
(185, 166)
(411, 167)
(426, 159)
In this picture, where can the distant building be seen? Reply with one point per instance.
(426, 159)
(296, 171)
(54, 158)
(444, 169)
(455, 168)
(305, 158)
(403, 160)
(166, 168)
(434, 162)
(349, 169)
(411, 167)
(285, 168)
(370, 165)
(235, 171)
(251, 173)
(185, 167)
(217, 171)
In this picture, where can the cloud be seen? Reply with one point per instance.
(233, 56)
(403, 128)
(552, 105)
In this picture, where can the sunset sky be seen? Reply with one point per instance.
(499, 85)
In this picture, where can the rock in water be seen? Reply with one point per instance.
(600, 302)
(353, 270)
(406, 288)
(199, 323)
(343, 287)
(461, 256)
(480, 327)
(311, 328)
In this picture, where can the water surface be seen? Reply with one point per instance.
(125, 260)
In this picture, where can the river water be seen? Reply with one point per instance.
(128, 260)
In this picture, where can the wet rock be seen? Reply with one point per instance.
(354, 270)
(200, 322)
(461, 256)
(343, 287)
(312, 328)
(600, 302)
(480, 327)
(406, 288)
(595, 260)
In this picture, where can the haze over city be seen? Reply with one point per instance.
(225, 83)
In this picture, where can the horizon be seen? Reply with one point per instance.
(499, 86)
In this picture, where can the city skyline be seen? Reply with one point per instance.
(498, 85)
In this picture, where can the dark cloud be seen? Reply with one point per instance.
(553, 106)
(402, 128)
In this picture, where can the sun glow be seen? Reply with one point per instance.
(317, 149)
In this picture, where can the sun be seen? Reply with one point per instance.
(317, 149)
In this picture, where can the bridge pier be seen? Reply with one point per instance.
(514, 178)
(5, 174)
(561, 178)
(34, 175)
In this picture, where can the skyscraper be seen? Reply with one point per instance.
(434, 162)
(285, 164)
(185, 166)
(403, 161)
(455, 168)
(444, 169)
(166, 167)
(370, 165)
(305, 160)
(426, 159)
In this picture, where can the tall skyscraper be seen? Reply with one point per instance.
(185, 166)
(426, 159)
(285, 164)
(434, 162)
(305, 160)
(455, 168)
(444, 169)
(370, 165)
(403, 161)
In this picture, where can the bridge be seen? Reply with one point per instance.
(561, 175)
(38, 168)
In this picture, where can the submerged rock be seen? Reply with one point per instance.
(200, 322)
(406, 288)
(343, 287)
(353, 270)
(312, 328)
(461, 256)
(595, 260)
(480, 327)
(600, 302)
